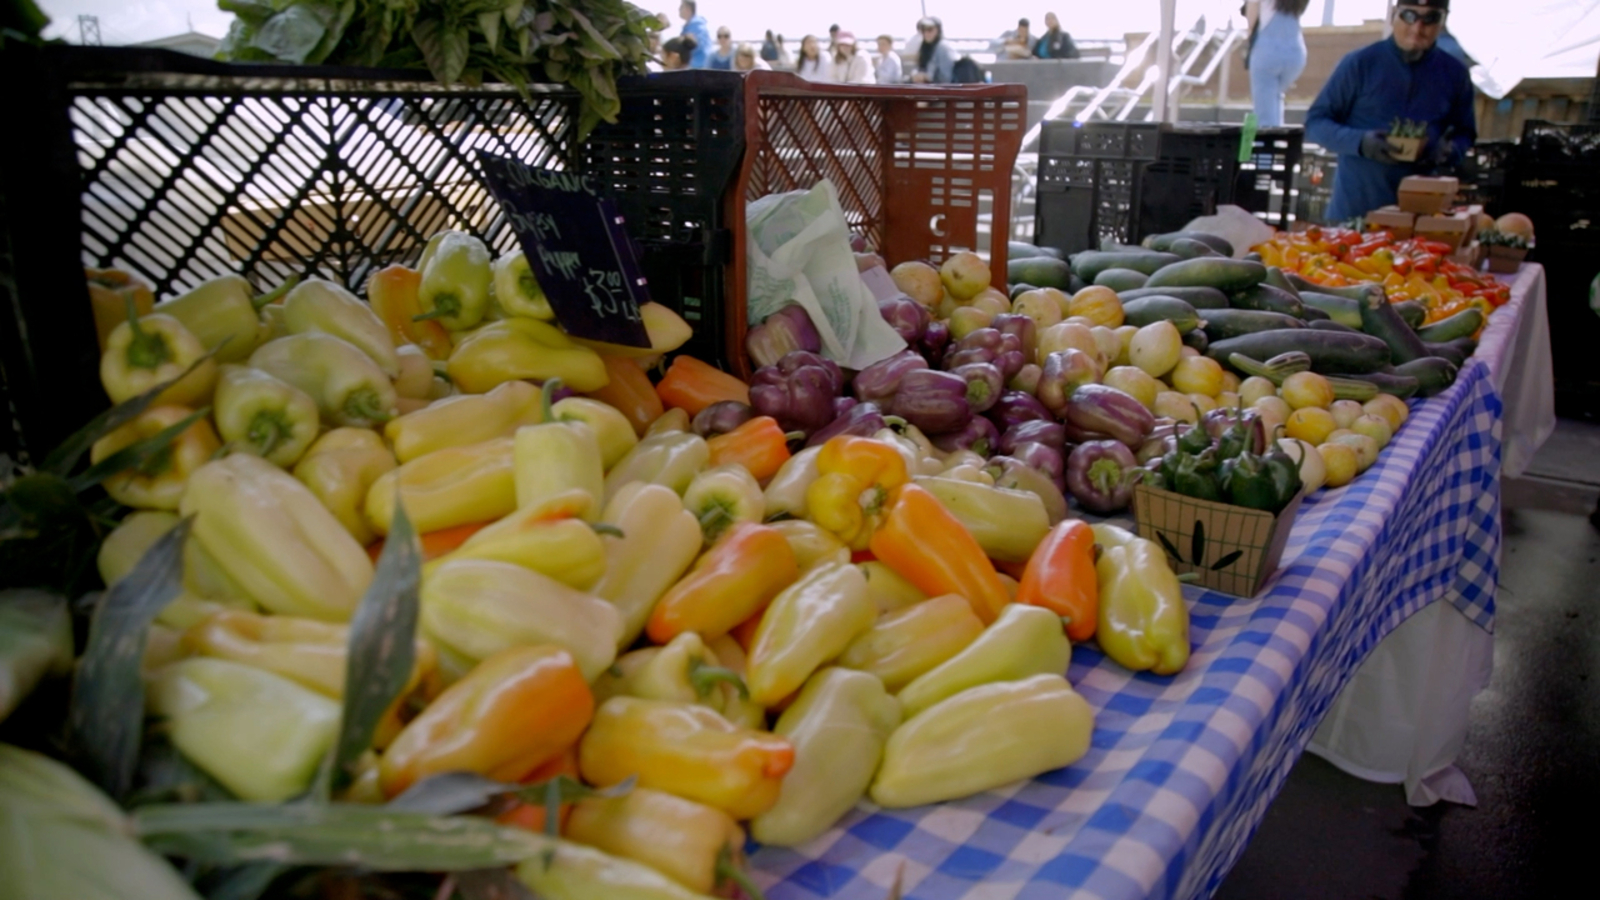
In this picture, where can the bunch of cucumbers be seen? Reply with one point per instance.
(1241, 312)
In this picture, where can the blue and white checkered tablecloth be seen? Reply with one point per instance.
(1182, 769)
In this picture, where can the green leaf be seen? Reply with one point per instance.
(383, 646)
(596, 40)
(141, 455)
(1197, 543)
(246, 882)
(35, 641)
(489, 24)
(106, 715)
(65, 456)
(456, 792)
(443, 47)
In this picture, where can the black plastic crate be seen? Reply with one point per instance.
(180, 169)
(1101, 140)
(1314, 184)
(1081, 202)
(1267, 181)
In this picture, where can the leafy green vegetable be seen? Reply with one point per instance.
(35, 640)
(586, 44)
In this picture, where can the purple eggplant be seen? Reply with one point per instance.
(984, 384)
(881, 380)
(934, 401)
(1076, 435)
(798, 391)
(721, 417)
(1064, 372)
(785, 331)
(1048, 460)
(1033, 431)
(935, 341)
(1095, 407)
(864, 419)
(1101, 475)
(989, 339)
(968, 356)
(1013, 473)
(1024, 328)
(906, 316)
(979, 435)
(1016, 406)
(1026, 380)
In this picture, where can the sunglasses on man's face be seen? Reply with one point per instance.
(1412, 17)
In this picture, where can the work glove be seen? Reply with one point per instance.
(1375, 146)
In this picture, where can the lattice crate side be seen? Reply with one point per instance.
(795, 153)
(1173, 520)
(1115, 191)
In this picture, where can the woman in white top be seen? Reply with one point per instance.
(850, 67)
(810, 65)
(889, 69)
(745, 59)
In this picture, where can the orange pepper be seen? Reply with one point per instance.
(1061, 577)
(630, 392)
(392, 294)
(930, 548)
(435, 543)
(759, 445)
(732, 582)
(853, 485)
(531, 815)
(509, 715)
(692, 385)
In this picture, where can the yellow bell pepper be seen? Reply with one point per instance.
(160, 483)
(453, 486)
(658, 542)
(850, 495)
(144, 352)
(474, 608)
(983, 738)
(550, 538)
(809, 623)
(466, 419)
(683, 671)
(556, 457)
(904, 644)
(456, 278)
(524, 348)
(687, 750)
(513, 712)
(415, 381)
(579, 872)
(275, 539)
(340, 469)
(690, 842)
(1142, 622)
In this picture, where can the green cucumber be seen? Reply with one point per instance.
(1197, 297)
(1165, 241)
(1463, 324)
(1353, 292)
(1331, 325)
(1380, 319)
(1402, 386)
(1312, 314)
(1025, 250)
(1412, 311)
(1340, 309)
(1222, 324)
(1432, 373)
(1042, 271)
(1446, 351)
(1330, 351)
(1076, 284)
(1227, 275)
(1465, 345)
(1020, 288)
(1188, 248)
(1089, 263)
(1121, 279)
(1146, 310)
(1254, 257)
(1196, 339)
(1276, 278)
(1267, 297)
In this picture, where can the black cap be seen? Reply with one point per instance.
(1426, 4)
(1022, 23)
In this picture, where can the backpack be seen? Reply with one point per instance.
(966, 71)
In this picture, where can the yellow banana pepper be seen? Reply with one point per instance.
(670, 458)
(658, 541)
(109, 293)
(1008, 524)
(612, 430)
(449, 487)
(889, 589)
(466, 419)
(225, 314)
(904, 644)
(690, 842)
(275, 539)
(160, 482)
(722, 497)
(550, 538)
(1024, 641)
(1143, 622)
(809, 542)
(579, 872)
(517, 290)
(415, 380)
(340, 469)
(129, 541)
(524, 348)
(348, 386)
(320, 305)
(809, 623)
(556, 457)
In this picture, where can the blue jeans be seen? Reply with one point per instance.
(1276, 60)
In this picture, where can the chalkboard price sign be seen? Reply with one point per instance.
(575, 242)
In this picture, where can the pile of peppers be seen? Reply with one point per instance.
(1223, 457)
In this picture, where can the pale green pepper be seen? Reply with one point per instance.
(1143, 622)
(809, 623)
(1007, 524)
(889, 589)
(671, 458)
(838, 726)
(578, 872)
(1024, 641)
(348, 386)
(786, 492)
(612, 430)
(222, 313)
(261, 414)
(983, 738)
(259, 734)
(456, 276)
(908, 642)
(722, 496)
(320, 305)
(685, 670)
(658, 542)
(555, 457)
(516, 289)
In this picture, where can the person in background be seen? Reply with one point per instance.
(746, 60)
(676, 53)
(1403, 76)
(850, 67)
(810, 65)
(888, 61)
(769, 48)
(1019, 43)
(694, 26)
(935, 60)
(721, 57)
(1054, 43)
(833, 37)
(1276, 57)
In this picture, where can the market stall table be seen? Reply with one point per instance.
(1182, 769)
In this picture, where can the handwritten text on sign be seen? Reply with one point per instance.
(580, 254)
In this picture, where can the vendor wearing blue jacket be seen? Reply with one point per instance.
(1403, 77)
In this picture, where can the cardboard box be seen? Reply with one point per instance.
(1452, 230)
(1230, 548)
(1471, 254)
(1390, 219)
(1506, 260)
(1427, 195)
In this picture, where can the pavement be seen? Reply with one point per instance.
(1532, 751)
